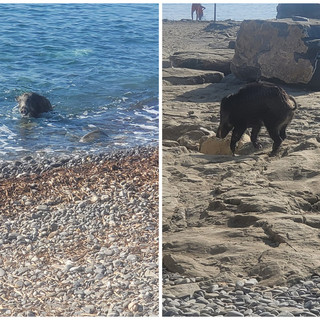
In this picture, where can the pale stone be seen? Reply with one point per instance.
(182, 290)
(215, 146)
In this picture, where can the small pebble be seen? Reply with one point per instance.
(234, 314)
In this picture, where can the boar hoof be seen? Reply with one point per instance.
(257, 145)
(273, 153)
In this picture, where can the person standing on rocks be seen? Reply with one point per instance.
(198, 8)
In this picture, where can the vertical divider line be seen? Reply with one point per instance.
(160, 158)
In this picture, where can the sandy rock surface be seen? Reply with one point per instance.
(229, 218)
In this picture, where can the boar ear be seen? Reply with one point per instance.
(226, 103)
(224, 100)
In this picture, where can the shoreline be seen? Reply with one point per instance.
(42, 161)
(77, 168)
(80, 238)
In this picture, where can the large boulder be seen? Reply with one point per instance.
(288, 10)
(285, 50)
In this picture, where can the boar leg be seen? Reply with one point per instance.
(237, 133)
(284, 125)
(254, 135)
(283, 134)
(277, 140)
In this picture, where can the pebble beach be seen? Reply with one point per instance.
(79, 235)
(200, 297)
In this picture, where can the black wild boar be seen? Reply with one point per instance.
(254, 105)
(32, 104)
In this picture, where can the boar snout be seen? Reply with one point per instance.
(219, 133)
(23, 110)
(223, 131)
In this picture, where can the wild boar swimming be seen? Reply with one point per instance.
(256, 104)
(32, 104)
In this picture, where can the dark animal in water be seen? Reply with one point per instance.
(256, 104)
(32, 104)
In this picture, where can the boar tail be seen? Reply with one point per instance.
(294, 101)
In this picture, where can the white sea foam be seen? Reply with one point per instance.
(144, 126)
(143, 115)
(5, 130)
(152, 111)
(14, 149)
(121, 144)
(3, 143)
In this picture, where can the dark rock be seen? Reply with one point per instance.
(93, 136)
(308, 10)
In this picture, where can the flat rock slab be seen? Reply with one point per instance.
(189, 266)
(181, 290)
(254, 223)
(217, 60)
(183, 76)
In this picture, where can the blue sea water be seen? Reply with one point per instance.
(224, 11)
(96, 63)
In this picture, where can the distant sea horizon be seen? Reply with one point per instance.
(224, 11)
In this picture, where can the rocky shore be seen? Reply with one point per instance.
(197, 297)
(79, 235)
(229, 219)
